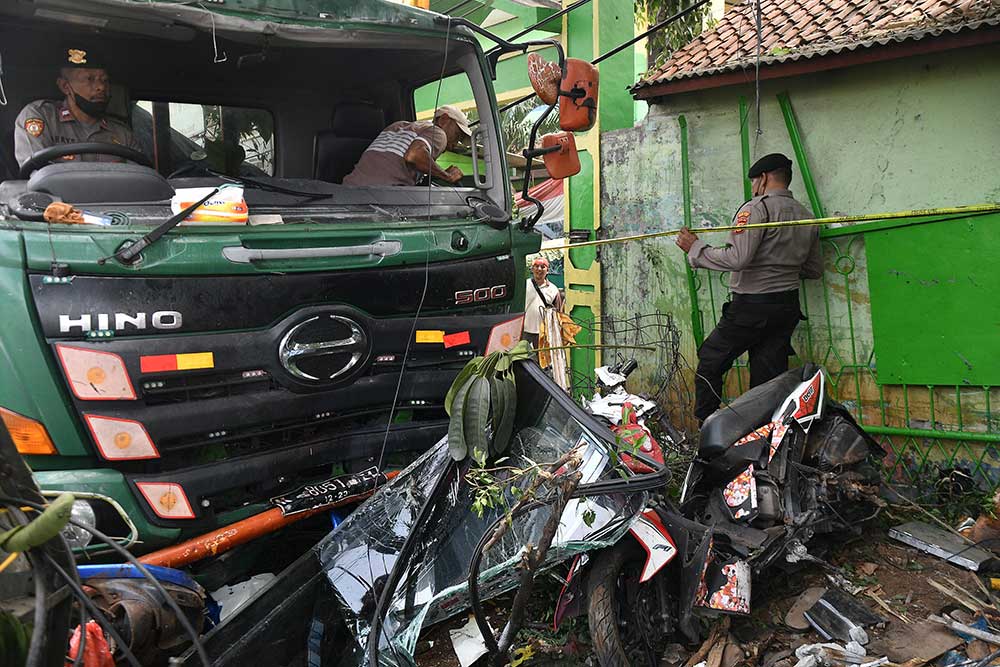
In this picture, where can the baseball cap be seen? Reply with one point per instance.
(456, 115)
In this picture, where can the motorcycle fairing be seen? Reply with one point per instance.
(733, 596)
(804, 404)
(634, 433)
(725, 585)
(655, 540)
(569, 595)
(694, 543)
(741, 495)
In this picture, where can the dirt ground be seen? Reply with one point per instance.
(894, 573)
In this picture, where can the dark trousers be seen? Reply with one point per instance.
(748, 324)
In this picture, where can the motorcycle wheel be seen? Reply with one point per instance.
(630, 623)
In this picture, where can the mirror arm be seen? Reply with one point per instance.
(530, 153)
(504, 46)
(539, 152)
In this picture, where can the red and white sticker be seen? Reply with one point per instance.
(742, 218)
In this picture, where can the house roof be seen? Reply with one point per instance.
(795, 30)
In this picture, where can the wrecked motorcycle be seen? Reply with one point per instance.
(775, 467)
(643, 569)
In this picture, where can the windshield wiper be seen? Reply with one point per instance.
(253, 183)
(128, 253)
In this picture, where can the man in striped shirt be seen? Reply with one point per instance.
(403, 152)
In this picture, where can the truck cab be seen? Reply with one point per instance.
(178, 388)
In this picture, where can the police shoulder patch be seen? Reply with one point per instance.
(742, 218)
(34, 126)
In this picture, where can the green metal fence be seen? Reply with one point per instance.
(925, 429)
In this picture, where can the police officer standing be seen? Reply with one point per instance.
(78, 118)
(766, 265)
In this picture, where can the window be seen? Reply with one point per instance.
(455, 90)
(231, 140)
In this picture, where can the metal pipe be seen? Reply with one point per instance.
(561, 12)
(745, 147)
(933, 434)
(800, 153)
(696, 326)
(225, 538)
(659, 26)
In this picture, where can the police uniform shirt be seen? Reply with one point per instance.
(45, 123)
(765, 260)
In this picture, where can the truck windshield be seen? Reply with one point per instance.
(297, 111)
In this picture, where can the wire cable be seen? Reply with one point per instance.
(373, 649)
(102, 620)
(181, 617)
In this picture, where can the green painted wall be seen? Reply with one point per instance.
(915, 133)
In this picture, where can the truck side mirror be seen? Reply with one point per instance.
(563, 161)
(578, 96)
(544, 77)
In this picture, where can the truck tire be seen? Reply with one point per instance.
(629, 621)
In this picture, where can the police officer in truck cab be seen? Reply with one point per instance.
(766, 265)
(77, 118)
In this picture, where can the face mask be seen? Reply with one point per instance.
(92, 109)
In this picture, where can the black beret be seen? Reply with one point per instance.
(770, 162)
(80, 56)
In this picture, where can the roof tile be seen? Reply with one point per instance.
(794, 29)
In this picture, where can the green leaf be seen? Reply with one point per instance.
(589, 516)
(477, 415)
(496, 402)
(503, 426)
(503, 365)
(521, 351)
(463, 377)
(456, 432)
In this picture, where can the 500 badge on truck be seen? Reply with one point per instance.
(495, 293)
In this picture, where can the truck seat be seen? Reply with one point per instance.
(336, 150)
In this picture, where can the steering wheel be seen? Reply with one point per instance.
(47, 155)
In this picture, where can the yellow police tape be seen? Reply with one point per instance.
(843, 219)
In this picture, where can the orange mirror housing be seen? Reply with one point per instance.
(578, 96)
(564, 162)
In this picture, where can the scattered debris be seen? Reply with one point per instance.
(717, 636)
(795, 618)
(837, 615)
(231, 598)
(873, 594)
(920, 642)
(960, 595)
(968, 631)
(867, 569)
(942, 544)
(468, 642)
(826, 655)
(843, 583)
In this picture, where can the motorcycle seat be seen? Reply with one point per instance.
(751, 410)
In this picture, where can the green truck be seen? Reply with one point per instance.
(179, 388)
